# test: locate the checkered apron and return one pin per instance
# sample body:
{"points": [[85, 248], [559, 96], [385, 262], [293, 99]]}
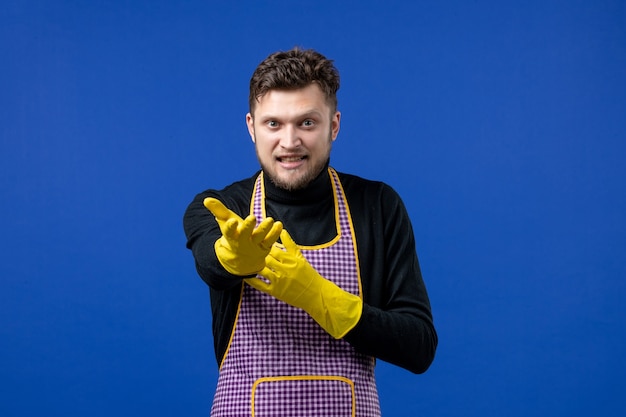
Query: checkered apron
{"points": [[280, 362]]}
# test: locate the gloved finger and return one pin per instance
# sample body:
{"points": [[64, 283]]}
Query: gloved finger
{"points": [[219, 210], [272, 236], [280, 260], [247, 227], [288, 242], [261, 230], [277, 250], [229, 229], [273, 259]]}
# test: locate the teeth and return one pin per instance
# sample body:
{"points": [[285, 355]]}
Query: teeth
{"points": [[292, 159]]}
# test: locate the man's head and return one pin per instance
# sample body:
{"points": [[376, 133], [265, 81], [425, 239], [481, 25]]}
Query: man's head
{"points": [[293, 116], [292, 70]]}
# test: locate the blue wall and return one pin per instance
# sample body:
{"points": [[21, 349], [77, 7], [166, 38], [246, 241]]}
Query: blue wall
{"points": [[502, 125]]}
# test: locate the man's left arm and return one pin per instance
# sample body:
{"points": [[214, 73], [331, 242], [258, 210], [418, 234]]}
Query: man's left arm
{"points": [[396, 323]]}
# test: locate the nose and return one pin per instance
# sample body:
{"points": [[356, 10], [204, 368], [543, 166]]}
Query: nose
{"points": [[290, 138]]}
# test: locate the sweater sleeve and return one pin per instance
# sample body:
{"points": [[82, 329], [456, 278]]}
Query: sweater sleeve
{"points": [[202, 231], [396, 325]]}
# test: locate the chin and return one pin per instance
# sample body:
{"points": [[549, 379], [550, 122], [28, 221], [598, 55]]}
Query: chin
{"points": [[290, 184], [293, 182]]}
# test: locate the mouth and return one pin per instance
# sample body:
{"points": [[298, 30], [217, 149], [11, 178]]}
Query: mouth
{"points": [[291, 159], [291, 162]]}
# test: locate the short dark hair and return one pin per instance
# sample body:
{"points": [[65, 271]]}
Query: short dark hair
{"points": [[294, 69]]}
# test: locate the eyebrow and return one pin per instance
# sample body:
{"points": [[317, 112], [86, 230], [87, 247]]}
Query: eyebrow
{"points": [[303, 115]]}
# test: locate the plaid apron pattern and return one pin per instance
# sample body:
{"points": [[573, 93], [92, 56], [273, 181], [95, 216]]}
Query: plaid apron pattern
{"points": [[280, 362]]}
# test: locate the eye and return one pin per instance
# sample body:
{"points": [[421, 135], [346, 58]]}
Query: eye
{"points": [[272, 123], [308, 123]]}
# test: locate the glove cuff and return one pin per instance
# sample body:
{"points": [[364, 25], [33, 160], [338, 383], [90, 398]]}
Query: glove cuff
{"points": [[337, 311]]}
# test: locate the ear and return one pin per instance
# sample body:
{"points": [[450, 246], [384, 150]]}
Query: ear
{"points": [[250, 123], [335, 122]]}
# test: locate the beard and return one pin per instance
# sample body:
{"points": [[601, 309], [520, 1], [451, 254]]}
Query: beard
{"points": [[297, 179]]}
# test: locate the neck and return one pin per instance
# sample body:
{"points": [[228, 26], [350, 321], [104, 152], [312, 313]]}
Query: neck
{"points": [[314, 191]]}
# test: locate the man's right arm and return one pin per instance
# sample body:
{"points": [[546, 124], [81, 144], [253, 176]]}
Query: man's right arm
{"points": [[202, 231]]}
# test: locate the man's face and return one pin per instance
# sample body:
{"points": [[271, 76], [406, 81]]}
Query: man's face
{"points": [[293, 131]]}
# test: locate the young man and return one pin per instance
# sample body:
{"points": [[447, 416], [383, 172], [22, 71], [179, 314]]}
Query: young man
{"points": [[313, 273]]}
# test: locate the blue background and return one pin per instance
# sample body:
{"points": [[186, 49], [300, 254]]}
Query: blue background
{"points": [[501, 124]]}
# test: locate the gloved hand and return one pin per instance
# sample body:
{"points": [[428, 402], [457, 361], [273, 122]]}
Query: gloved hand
{"points": [[293, 280], [242, 248]]}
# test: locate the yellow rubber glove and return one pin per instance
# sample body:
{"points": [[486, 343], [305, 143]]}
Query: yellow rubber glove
{"points": [[242, 248], [293, 279]]}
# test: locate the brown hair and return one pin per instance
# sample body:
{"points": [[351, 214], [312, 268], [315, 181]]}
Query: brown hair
{"points": [[292, 70]]}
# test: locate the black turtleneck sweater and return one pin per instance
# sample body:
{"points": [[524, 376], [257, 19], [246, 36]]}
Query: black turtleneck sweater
{"points": [[396, 325]]}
